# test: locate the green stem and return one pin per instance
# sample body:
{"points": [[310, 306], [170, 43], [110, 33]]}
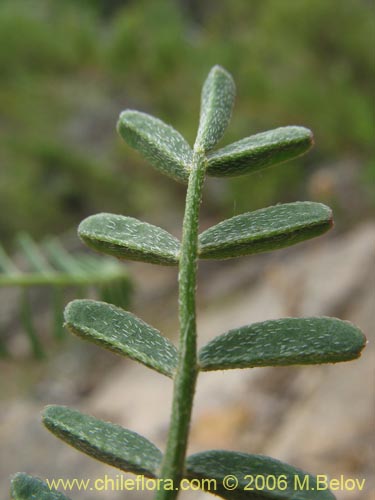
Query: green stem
{"points": [[35, 343], [186, 374], [57, 298]]}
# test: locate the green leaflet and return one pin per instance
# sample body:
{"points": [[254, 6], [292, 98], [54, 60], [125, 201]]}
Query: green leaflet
{"points": [[25, 487], [34, 256], [166, 149], [217, 100], [260, 151], [103, 441], [121, 332], [129, 238], [289, 341], [264, 230], [217, 464]]}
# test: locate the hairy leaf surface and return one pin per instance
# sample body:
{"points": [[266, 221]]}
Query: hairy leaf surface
{"points": [[288, 341], [217, 464], [129, 238], [103, 441], [160, 143], [264, 230], [217, 100], [259, 151], [25, 487], [121, 332]]}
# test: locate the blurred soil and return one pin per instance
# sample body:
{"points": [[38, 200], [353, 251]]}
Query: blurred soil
{"points": [[318, 418]]}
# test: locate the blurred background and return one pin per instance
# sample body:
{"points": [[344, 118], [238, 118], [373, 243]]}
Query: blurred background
{"points": [[67, 69]]}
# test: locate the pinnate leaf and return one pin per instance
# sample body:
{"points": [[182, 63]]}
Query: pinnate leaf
{"points": [[129, 238], [217, 100], [259, 151], [103, 441], [160, 143], [121, 332], [288, 341], [217, 464], [264, 230], [25, 487]]}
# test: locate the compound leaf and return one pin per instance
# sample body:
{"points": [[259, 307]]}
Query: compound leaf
{"points": [[161, 144], [25, 487], [121, 332], [281, 481], [49, 264], [217, 100], [259, 151], [264, 230], [129, 238], [103, 441], [288, 341]]}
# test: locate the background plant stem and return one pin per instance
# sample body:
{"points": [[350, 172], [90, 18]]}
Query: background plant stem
{"points": [[186, 374]]}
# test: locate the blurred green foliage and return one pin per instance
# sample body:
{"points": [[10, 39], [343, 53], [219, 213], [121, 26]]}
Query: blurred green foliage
{"points": [[50, 266], [67, 69]]}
